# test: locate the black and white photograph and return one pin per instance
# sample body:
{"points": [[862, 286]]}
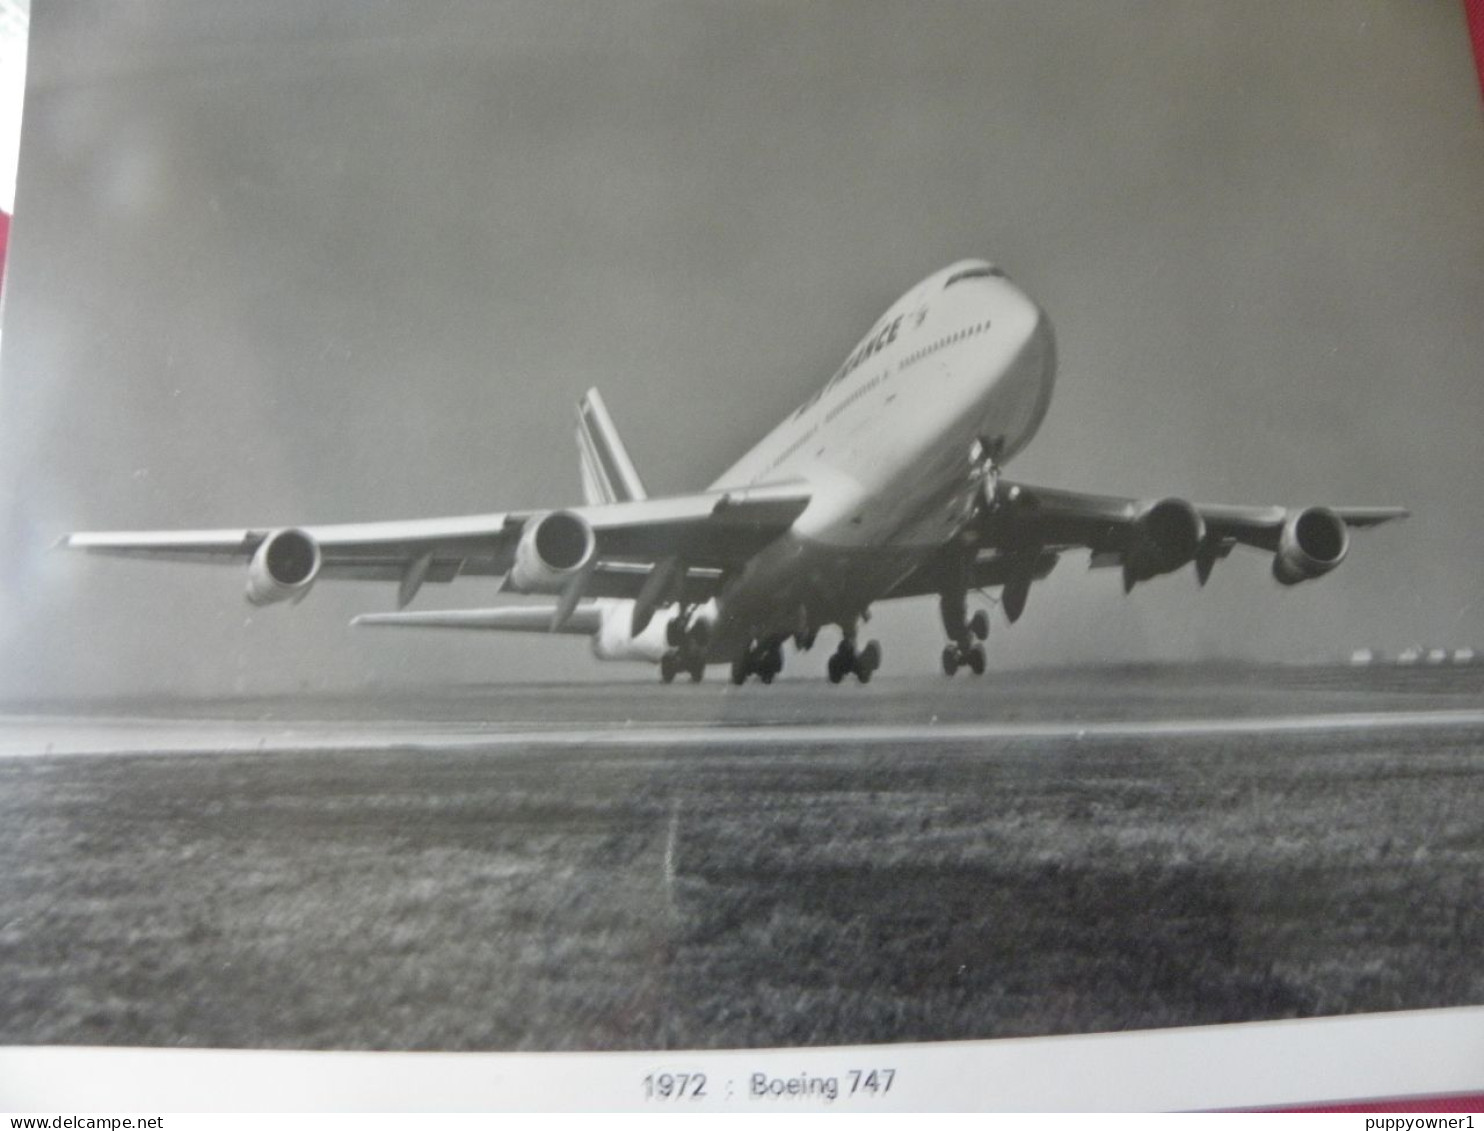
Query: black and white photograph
{"points": [[739, 524]]}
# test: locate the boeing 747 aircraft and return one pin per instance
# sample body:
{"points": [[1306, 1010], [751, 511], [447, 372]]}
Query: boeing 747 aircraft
{"points": [[886, 483]]}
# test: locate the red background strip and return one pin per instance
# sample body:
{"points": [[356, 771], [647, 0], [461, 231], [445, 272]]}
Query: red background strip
{"points": [[1474, 10]]}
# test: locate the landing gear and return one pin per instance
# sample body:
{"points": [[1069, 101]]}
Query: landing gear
{"points": [[675, 661], [961, 651], [762, 660], [681, 633], [687, 651], [956, 656], [847, 660]]}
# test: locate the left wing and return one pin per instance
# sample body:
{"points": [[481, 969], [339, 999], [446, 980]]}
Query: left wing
{"points": [[672, 544], [1018, 536], [1148, 537]]}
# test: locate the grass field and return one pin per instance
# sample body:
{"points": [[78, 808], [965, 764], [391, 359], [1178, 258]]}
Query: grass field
{"points": [[599, 898]]}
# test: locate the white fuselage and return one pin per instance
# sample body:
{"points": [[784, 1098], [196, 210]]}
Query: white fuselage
{"points": [[892, 448]]}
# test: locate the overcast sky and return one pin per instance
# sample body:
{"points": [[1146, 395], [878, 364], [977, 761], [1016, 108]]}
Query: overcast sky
{"points": [[284, 262]]}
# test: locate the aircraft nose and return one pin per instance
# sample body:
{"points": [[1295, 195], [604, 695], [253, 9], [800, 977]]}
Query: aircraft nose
{"points": [[1014, 390], [1041, 344], [1037, 349]]}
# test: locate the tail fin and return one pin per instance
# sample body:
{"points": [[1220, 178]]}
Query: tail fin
{"points": [[608, 475]]}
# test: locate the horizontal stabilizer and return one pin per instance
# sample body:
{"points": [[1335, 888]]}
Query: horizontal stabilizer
{"points": [[586, 619]]}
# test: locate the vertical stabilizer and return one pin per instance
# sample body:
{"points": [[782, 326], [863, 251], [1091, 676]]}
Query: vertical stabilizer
{"points": [[608, 475]]}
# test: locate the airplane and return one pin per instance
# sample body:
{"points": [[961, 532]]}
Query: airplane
{"points": [[888, 482]]}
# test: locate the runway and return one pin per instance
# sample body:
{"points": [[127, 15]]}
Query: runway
{"points": [[40, 736], [631, 866]]}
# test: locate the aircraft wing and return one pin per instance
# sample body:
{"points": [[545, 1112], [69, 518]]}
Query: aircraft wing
{"points": [[1149, 537], [1018, 537], [705, 532]]}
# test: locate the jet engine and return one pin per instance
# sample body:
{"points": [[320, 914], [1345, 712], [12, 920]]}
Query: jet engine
{"points": [[553, 549], [1313, 542], [284, 567], [1165, 537]]}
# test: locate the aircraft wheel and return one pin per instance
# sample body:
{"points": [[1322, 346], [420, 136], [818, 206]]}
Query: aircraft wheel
{"points": [[699, 635], [773, 659], [766, 675], [675, 631], [697, 671], [836, 668], [869, 658], [667, 667], [979, 624], [975, 659], [739, 670], [950, 660]]}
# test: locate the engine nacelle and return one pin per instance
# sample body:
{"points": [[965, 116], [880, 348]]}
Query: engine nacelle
{"points": [[1165, 537], [553, 549], [1313, 542], [284, 567]]}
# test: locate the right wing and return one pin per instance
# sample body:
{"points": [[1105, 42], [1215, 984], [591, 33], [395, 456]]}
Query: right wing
{"points": [[614, 549]]}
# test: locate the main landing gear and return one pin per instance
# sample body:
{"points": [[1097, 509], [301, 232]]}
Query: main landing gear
{"points": [[762, 660], [957, 655], [687, 649], [962, 649], [765, 660], [847, 660], [675, 661]]}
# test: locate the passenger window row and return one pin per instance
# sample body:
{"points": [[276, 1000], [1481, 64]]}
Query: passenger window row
{"points": [[952, 339]]}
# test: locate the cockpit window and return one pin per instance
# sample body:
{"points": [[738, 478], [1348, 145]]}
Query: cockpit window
{"points": [[974, 273]]}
